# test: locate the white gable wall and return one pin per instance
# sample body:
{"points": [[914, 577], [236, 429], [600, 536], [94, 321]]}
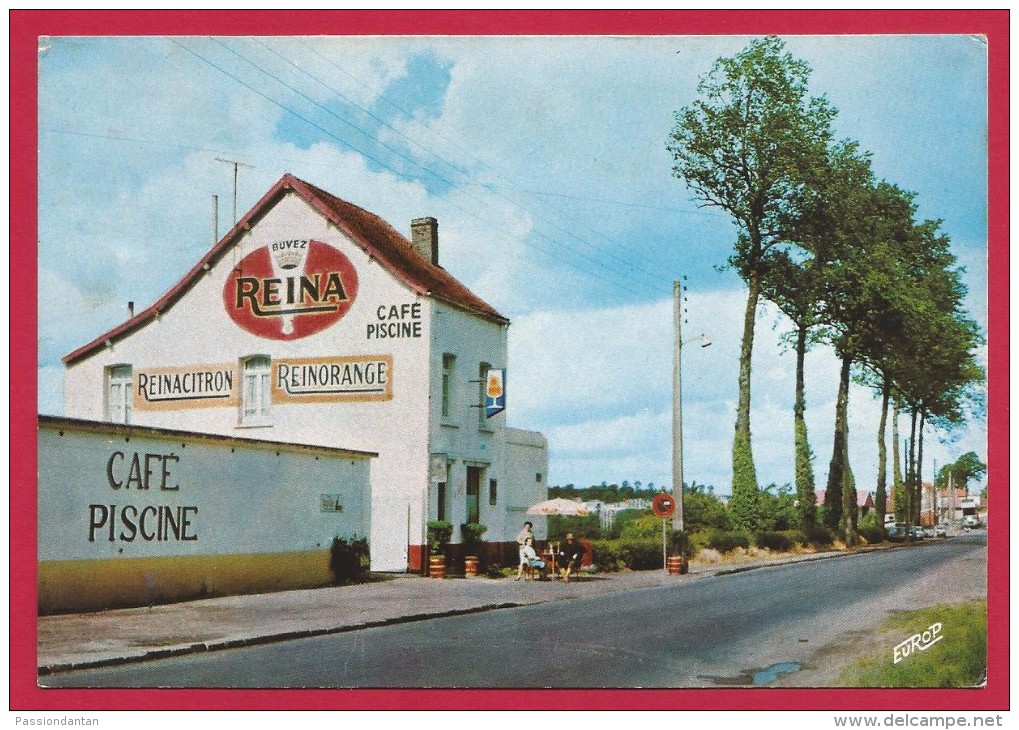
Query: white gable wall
{"points": [[197, 331], [405, 430]]}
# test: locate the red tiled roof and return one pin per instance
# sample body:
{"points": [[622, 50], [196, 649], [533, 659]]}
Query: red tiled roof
{"points": [[863, 497], [376, 237]]}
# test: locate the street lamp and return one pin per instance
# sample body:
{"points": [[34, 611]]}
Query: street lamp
{"points": [[677, 402]]}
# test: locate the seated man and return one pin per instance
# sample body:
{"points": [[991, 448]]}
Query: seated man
{"points": [[571, 553]]}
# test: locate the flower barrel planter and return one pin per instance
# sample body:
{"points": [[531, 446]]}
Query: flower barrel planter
{"points": [[677, 565], [437, 566], [471, 566]]}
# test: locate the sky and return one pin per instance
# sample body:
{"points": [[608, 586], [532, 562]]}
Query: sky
{"points": [[544, 160]]}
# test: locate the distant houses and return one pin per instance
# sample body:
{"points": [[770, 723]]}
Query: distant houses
{"points": [[607, 511], [864, 501]]}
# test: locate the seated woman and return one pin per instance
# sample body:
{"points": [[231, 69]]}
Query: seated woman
{"points": [[529, 559]]}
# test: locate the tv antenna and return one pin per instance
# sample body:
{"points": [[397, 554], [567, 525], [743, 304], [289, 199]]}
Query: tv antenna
{"points": [[236, 165]]}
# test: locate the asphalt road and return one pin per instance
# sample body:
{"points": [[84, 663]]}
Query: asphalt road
{"points": [[742, 629]]}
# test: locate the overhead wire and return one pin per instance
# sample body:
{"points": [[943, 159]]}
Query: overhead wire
{"points": [[555, 243], [382, 97], [440, 177]]}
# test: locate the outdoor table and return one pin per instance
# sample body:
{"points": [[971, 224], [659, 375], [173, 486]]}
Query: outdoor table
{"points": [[549, 556]]}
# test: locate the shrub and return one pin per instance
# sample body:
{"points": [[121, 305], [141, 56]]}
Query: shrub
{"points": [[703, 510], [819, 535], [642, 553], [471, 533], [873, 533], [870, 519], [798, 537], [681, 544], [643, 527], [349, 561], [725, 540], [607, 555], [699, 541], [439, 532], [774, 540], [582, 526], [622, 520]]}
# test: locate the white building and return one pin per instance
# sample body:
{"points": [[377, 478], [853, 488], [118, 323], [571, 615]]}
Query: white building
{"points": [[132, 515], [314, 322]]}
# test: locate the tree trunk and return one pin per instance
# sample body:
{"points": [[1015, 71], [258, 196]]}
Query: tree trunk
{"points": [[911, 471], [849, 507], [744, 502], [833, 497], [919, 467], [848, 484], [804, 457], [881, 498], [898, 497]]}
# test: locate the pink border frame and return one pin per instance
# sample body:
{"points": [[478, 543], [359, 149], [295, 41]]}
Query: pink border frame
{"points": [[27, 26]]}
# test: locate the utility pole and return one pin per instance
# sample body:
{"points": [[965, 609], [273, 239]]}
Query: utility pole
{"points": [[678, 522], [236, 164], [677, 407], [951, 491]]}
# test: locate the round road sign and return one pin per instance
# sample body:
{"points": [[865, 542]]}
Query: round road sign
{"points": [[663, 505]]}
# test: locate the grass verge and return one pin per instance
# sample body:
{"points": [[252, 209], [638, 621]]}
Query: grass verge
{"points": [[959, 659]]}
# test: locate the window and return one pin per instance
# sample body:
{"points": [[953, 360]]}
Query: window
{"points": [[537, 477], [448, 361], [118, 394], [483, 369], [255, 391], [492, 491]]}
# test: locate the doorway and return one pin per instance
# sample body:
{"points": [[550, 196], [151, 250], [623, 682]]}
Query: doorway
{"points": [[474, 478]]}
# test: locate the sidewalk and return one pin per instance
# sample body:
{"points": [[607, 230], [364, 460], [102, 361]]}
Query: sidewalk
{"points": [[78, 641]]}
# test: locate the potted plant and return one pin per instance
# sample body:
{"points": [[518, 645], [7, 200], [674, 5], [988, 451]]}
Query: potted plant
{"points": [[471, 533], [439, 532], [678, 562]]}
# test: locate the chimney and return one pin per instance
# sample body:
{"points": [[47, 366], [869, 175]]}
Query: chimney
{"points": [[424, 238]]}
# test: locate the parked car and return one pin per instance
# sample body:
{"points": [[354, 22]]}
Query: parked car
{"points": [[970, 522], [897, 532], [928, 532], [916, 532], [940, 531]]}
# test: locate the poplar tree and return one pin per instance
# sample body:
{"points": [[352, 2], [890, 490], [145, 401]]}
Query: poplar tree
{"points": [[745, 146]]}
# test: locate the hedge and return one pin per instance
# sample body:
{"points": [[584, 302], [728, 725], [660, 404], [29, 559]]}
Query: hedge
{"points": [[873, 533], [780, 541], [632, 554], [819, 535], [725, 540], [348, 561]]}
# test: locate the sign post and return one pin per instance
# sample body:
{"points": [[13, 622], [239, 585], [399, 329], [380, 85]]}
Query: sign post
{"points": [[664, 506]]}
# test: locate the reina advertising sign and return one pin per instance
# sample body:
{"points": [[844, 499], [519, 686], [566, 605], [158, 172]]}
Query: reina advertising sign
{"points": [[331, 379], [290, 289], [495, 392], [197, 386]]}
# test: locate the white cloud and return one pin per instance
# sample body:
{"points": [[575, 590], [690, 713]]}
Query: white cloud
{"points": [[598, 383]]}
